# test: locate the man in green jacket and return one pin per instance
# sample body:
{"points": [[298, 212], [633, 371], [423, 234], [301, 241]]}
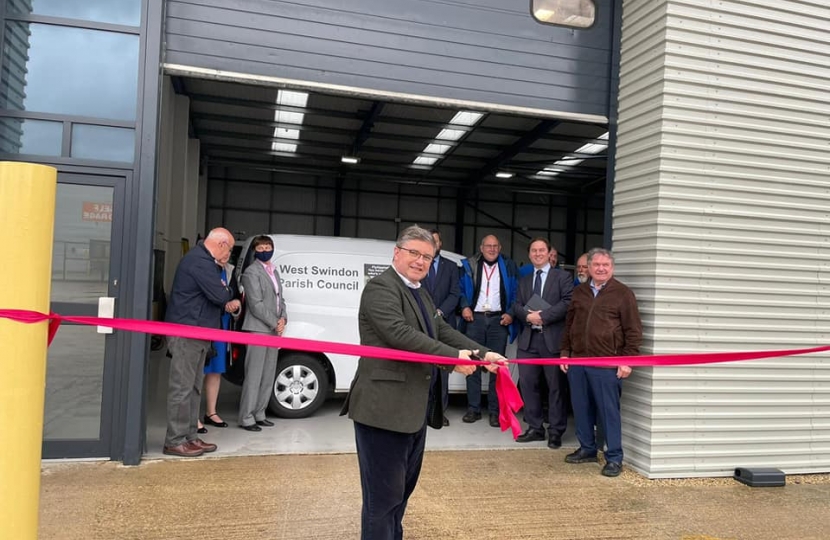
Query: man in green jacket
{"points": [[389, 400]]}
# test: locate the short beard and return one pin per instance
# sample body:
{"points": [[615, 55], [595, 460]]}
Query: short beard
{"points": [[581, 278]]}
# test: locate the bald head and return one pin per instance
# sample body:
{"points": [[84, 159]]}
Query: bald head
{"points": [[219, 243]]}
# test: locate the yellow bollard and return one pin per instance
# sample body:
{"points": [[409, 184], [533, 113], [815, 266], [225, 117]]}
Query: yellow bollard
{"points": [[27, 218]]}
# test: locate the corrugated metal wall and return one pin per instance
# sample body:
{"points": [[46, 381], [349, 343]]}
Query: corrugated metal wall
{"points": [[490, 51], [722, 226]]}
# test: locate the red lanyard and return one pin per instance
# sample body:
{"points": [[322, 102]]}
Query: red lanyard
{"points": [[488, 275]]}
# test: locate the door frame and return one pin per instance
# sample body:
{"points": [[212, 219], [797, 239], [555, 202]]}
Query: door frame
{"points": [[111, 407]]}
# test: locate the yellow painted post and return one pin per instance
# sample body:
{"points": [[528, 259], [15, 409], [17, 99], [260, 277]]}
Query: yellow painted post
{"points": [[27, 218]]}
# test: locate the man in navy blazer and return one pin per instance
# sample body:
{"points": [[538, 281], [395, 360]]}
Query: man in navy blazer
{"points": [[442, 284], [543, 322]]}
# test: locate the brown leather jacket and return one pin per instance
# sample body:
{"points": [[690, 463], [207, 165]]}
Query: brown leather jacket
{"points": [[608, 325]]}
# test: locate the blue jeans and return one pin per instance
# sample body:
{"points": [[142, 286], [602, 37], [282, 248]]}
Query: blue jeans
{"points": [[390, 463], [486, 331], [595, 396]]}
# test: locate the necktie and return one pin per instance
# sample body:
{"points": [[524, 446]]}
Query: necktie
{"points": [[537, 283], [423, 309], [269, 269], [431, 279]]}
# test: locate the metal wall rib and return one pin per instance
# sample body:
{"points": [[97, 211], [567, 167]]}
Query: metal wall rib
{"points": [[722, 226]]}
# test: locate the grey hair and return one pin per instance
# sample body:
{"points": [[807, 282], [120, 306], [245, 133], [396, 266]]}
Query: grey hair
{"points": [[593, 252], [414, 232]]}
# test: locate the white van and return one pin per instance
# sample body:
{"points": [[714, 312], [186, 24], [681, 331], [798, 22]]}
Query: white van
{"points": [[322, 279]]}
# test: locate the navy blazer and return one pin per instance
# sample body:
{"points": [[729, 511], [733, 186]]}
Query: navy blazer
{"points": [[445, 291], [557, 292]]}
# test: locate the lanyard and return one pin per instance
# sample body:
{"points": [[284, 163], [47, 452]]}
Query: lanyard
{"points": [[489, 275]]}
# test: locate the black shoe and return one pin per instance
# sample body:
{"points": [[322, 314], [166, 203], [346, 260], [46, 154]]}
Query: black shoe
{"points": [[471, 417], [252, 427], [580, 456], [612, 469], [208, 420], [555, 442], [266, 423], [202, 430], [494, 420], [446, 421], [531, 435]]}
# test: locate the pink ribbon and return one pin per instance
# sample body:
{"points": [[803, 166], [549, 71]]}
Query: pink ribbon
{"points": [[510, 401]]}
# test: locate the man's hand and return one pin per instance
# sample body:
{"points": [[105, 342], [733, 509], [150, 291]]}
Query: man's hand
{"points": [[623, 372], [281, 326], [467, 314], [496, 361], [563, 367], [465, 354], [506, 320], [535, 317], [233, 306]]}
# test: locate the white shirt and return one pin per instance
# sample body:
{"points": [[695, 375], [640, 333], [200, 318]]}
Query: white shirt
{"points": [[410, 284], [489, 298], [545, 271]]}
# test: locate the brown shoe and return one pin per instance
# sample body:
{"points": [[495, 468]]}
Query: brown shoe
{"points": [[206, 447], [186, 449]]}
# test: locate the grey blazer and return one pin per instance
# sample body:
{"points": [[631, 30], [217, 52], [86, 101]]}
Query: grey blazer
{"points": [[261, 300], [390, 394]]}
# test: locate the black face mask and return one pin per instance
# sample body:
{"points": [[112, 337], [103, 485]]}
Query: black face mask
{"points": [[263, 256]]}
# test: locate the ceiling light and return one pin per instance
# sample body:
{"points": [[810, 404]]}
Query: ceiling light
{"points": [[504, 174], [283, 147], [450, 134], [351, 160], [436, 148], [291, 98], [466, 118], [424, 160]]}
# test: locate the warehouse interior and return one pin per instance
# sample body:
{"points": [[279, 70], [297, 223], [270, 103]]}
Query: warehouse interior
{"points": [[261, 159]]}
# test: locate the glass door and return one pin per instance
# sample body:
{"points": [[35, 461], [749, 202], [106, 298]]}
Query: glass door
{"points": [[85, 281]]}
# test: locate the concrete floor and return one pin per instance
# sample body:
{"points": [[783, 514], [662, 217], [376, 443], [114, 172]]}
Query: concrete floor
{"points": [[471, 494], [324, 432]]}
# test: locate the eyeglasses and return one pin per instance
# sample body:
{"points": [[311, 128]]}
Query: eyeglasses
{"points": [[417, 254], [490, 246]]}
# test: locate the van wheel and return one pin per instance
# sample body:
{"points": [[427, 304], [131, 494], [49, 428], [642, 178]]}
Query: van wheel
{"points": [[300, 387]]}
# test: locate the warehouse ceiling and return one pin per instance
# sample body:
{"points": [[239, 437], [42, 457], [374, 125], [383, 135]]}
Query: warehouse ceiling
{"points": [[267, 128]]}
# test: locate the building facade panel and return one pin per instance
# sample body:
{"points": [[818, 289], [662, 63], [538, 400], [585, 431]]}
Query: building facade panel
{"points": [[721, 196], [456, 50]]}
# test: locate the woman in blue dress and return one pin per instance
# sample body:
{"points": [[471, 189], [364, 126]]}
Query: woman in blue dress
{"points": [[215, 367]]}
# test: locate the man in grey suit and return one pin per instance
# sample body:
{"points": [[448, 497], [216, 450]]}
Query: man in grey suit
{"points": [[389, 400], [265, 315], [541, 305]]}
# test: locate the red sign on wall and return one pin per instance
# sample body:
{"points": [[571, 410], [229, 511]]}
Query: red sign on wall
{"points": [[93, 211]]}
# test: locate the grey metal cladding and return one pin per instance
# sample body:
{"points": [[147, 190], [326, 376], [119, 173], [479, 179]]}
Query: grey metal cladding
{"points": [[491, 51]]}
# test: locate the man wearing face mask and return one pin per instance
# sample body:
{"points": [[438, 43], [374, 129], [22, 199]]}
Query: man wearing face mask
{"points": [[265, 315]]}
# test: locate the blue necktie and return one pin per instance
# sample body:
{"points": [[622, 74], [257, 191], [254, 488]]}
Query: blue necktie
{"points": [[431, 279], [537, 283]]}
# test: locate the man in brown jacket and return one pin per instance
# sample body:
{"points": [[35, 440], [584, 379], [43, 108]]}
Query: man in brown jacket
{"points": [[602, 320]]}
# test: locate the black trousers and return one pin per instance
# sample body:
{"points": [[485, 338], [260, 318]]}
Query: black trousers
{"points": [[390, 463], [529, 378]]}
